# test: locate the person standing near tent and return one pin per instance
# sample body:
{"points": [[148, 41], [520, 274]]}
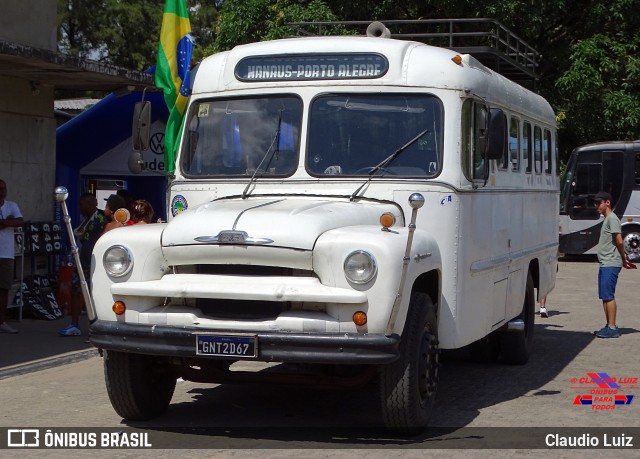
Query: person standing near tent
{"points": [[114, 203], [87, 234], [142, 212], [10, 218]]}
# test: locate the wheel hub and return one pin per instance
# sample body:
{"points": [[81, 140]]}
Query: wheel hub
{"points": [[632, 245], [429, 365]]}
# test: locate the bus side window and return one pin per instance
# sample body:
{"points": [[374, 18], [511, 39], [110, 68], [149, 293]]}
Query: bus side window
{"points": [[537, 148], [612, 175], [479, 140], [527, 146], [546, 151], [474, 139], [503, 164], [586, 184], [587, 180], [465, 150], [514, 144], [637, 170], [556, 155]]}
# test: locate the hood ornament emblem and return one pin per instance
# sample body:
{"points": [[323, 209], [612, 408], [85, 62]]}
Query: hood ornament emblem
{"points": [[234, 237]]}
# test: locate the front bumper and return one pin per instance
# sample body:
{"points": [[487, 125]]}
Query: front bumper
{"points": [[337, 348]]}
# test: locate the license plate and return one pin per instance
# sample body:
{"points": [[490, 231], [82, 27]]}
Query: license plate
{"points": [[227, 346]]}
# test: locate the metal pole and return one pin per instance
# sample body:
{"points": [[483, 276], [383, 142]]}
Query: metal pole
{"points": [[61, 194], [416, 201]]}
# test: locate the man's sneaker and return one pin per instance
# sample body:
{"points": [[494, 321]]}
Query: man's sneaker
{"points": [[609, 332], [602, 330], [70, 330], [543, 313], [6, 328]]}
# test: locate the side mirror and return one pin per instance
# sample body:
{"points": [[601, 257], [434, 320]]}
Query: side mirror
{"points": [[136, 163], [497, 135], [140, 131]]}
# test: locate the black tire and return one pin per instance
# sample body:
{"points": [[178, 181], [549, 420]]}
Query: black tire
{"points": [[139, 387], [516, 346], [485, 350], [408, 385]]}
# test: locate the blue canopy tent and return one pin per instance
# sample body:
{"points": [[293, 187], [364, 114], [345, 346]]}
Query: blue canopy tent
{"points": [[95, 145]]}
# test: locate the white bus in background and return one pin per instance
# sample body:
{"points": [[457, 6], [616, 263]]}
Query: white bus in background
{"points": [[349, 204], [606, 166]]}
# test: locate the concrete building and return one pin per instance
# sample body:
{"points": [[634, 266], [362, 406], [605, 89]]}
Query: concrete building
{"points": [[30, 70]]}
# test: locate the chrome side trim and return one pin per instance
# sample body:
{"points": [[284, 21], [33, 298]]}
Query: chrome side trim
{"points": [[484, 265]]}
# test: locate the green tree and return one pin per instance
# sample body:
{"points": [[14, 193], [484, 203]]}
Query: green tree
{"points": [[245, 21], [589, 55], [598, 95], [125, 33], [588, 67]]}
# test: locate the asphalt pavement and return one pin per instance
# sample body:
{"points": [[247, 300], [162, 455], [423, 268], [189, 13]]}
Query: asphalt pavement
{"points": [[38, 346]]}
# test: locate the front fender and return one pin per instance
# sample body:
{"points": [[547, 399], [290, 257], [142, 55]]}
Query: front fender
{"points": [[388, 249], [143, 242]]}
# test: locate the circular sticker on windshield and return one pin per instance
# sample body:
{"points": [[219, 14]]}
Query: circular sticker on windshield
{"points": [[178, 204]]}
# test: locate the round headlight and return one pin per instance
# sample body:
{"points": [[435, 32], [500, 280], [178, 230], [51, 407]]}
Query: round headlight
{"points": [[360, 267], [117, 261]]}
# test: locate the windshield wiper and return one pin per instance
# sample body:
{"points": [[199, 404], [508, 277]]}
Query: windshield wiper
{"points": [[385, 162], [274, 152]]}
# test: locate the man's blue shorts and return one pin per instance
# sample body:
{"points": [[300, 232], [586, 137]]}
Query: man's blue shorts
{"points": [[607, 280]]}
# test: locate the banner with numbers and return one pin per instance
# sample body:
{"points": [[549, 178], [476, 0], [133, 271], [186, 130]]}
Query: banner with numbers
{"points": [[40, 238]]}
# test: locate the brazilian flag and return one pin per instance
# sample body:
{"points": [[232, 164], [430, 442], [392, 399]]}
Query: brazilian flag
{"points": [[172, 72]]}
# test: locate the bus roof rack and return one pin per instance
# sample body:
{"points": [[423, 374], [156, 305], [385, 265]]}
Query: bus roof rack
{"points": [[490, 42]]}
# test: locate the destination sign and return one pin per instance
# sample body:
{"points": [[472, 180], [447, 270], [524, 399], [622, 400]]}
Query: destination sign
{"points": [[312, 67]]}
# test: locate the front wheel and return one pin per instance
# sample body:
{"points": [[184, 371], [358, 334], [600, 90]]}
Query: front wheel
{"points": [[408, 385], [140, 387]]}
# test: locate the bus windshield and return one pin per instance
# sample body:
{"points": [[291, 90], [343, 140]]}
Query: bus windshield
{"points": [[233, 137], [349, 134], [566, 185]]}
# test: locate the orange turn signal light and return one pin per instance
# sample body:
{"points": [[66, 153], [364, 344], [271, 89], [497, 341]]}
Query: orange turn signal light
{"points": [[359, 318], [457, 59], [387, 220], [119, 308]]}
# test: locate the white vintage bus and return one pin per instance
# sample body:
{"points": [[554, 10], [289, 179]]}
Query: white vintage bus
{"points": [[349, 204], [605, 166]]}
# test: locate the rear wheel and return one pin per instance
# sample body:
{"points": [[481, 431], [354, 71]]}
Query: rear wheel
{"points": [[408, 385], [485, 350], [516, 345], [140, 387]]}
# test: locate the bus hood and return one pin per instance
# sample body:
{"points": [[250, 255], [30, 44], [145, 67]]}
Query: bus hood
{"points": [[272, 222]]}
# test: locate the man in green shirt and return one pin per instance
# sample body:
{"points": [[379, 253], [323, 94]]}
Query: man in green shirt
{"points": [[612, 258]]}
